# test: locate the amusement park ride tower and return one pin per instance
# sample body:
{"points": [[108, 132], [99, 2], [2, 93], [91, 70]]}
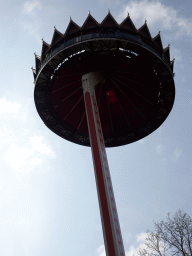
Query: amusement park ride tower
{"points": [[104, 85]]}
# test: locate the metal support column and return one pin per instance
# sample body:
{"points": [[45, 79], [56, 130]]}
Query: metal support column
{"points": [[110, 222]]}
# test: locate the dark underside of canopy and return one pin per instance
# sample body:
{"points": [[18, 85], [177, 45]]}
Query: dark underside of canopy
{"points": [[127, 97]]}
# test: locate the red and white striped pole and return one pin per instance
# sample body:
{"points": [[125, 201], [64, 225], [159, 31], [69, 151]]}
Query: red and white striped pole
{"points": [[110, 222]]}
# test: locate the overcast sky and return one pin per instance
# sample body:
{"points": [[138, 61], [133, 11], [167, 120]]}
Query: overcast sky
{"points": [[48, 200]]}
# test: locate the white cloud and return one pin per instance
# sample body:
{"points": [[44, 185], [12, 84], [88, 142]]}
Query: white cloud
{"points": [[23, 213], [17, 156], [31, 6], [21, 158], [101, 251], [35, 161], [176, 154], [134, 250], [142, 246], [141, 237], [38, 145], [158, 15], [20, 150], [8, 107]]}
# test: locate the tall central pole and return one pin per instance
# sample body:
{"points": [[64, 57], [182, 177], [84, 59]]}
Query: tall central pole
{"points": [[110, 222]]}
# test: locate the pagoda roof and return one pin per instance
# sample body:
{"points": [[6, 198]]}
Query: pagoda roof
{"points": [[157, 41], [34, 72], [128, 24], [144, 31], [57, 35], [167, 52], [45, 48], [37, 62], [172, 64], [71, 28], [109, 21], [90, 22]]}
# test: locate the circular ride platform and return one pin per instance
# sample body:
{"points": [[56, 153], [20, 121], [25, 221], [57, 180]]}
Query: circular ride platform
{"points": [[137, 91]]}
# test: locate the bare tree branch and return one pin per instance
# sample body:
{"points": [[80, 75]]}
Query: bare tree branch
{"points": [[172, 237]]}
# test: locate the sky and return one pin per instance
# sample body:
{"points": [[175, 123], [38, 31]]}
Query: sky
{"points": [[48, 199]]}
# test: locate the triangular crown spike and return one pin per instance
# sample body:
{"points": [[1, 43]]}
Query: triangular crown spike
{"points": [[130, 23], [109, 16], [37, 56], [73, 24], [89, 17], [144, 31]]}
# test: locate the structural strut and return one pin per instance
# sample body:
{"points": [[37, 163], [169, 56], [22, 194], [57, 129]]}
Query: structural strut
{"points": [[110, 223]]}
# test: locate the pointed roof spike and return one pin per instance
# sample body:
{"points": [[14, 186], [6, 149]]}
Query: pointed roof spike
{"points": [[37, 56], [128, 24], [45, 49], [37, 62], [157, 41], [89, 12], [57, 35], [61, 34], [108, 10], [33, 70], [90, 22], [43, 42], [127, 14], [71, 28], [166, 49], [172, 64], [144, 31], [109, 21], [167, 53]]}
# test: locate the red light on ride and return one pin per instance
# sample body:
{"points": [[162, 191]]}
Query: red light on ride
{"points": [[112, 97]]}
